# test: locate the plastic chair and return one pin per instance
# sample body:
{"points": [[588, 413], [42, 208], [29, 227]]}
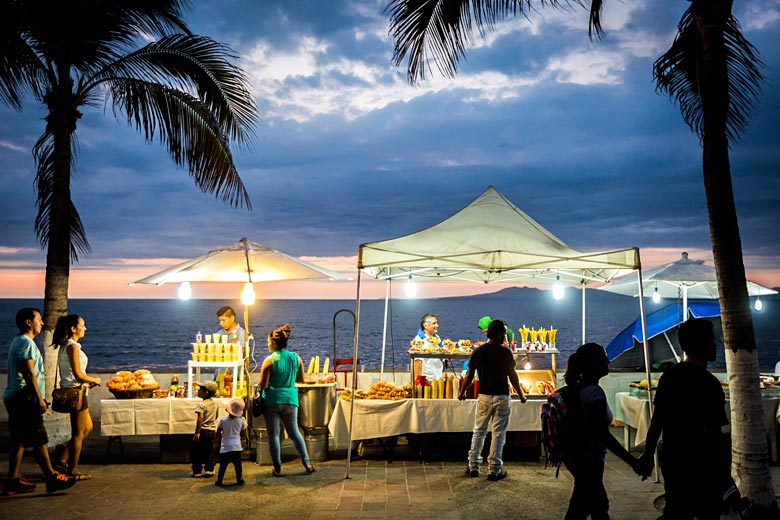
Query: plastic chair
{"points": [[344, 362]]}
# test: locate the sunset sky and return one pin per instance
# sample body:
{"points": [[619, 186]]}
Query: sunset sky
{"points": [[571, 131]]}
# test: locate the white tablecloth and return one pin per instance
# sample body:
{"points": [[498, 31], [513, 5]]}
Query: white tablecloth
{"points": [[635, 412], [149, 416], [378, 418]]}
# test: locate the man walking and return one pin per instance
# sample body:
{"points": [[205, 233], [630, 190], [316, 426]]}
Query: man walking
{"points": [[495, 364], [23, 398]]}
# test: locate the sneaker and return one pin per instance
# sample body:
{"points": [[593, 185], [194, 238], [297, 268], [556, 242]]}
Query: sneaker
{"points": [[208, 473], [17, 486], [59, 482], [218, 483], [497, 476], [240, 482], [473, 473], [196, 475]]}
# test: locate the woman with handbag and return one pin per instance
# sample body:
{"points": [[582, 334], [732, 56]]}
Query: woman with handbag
{"points": [[278, 375], [72, 366]]}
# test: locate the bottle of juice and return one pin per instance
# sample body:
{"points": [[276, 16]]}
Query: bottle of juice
{"points": [[174, 385], [228, 381]]}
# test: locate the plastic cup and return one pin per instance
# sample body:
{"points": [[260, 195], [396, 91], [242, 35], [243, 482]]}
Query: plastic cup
{"points": [[207, 338], [195, 346], [211, 357], [219, 357], [195, 356], [211, 347], [224, 338]]}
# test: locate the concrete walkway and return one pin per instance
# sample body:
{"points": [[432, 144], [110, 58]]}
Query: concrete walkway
{"points": [[136, 486]]}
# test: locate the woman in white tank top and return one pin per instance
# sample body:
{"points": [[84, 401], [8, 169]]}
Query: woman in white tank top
{"points": [[72, 365]]}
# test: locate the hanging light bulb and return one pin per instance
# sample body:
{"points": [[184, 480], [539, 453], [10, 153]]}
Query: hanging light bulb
{"points": [[248, 294], [557, 288], [758, 305], [185, 291], [527, 364], [410, 289], [656, 296]]}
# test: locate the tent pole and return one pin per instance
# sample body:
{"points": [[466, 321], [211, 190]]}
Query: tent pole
{"points": [[647, 354], [384, 333], [583, 312], [354, 373], [685, 303]]}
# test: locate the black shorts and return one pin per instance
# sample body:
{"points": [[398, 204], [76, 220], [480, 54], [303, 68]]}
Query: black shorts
{"points": [[25, 420]]}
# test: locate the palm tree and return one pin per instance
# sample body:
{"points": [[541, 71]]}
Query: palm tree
{"points": [[180, 90], [711, 72]]}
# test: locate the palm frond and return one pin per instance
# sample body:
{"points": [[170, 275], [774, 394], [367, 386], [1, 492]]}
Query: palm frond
{"points": [[190, 131], [677, 72], [439, 31], [43, 151], [194, 64]]}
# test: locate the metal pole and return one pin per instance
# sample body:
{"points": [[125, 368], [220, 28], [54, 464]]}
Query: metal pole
{"points": [[354, 373], [685, 302], [583, 312], [647, 356], [384, 332]]}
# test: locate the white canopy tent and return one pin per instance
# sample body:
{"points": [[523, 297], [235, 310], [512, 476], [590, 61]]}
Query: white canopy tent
{"points": [[490, 241]]}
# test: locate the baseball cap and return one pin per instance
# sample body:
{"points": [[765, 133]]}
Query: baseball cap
{"points": [[484, 321], [209, 386]]}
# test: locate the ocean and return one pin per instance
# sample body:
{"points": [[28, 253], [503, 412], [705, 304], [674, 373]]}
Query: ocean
{"points": [[127, 334]]}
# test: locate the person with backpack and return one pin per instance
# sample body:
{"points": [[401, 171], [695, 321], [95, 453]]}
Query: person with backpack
{"points": [[495, 364], [589, 415]]}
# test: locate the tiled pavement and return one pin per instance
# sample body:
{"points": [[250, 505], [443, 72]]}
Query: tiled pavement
{"points": [[136, 486]]}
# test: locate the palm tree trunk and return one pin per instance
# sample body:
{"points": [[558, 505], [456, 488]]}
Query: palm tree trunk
{"points": [[750, 462], [61, 122]]}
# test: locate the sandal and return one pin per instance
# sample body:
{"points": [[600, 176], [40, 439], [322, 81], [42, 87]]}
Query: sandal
{"points": [[309, 468], [276, 472], [60, 467], [79, 476]]}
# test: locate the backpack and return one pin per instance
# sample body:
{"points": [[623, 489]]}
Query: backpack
{"points": [[559, 439]]}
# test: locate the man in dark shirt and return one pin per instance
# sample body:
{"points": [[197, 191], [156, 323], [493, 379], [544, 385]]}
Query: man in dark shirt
{"points": [[495, 364], [690, 412]]}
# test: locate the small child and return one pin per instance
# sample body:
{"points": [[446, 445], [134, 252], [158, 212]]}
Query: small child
{"points": [[231, 431], [201, 452]]}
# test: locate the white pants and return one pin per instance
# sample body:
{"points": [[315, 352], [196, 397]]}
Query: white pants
{"points": [[493, 411]]}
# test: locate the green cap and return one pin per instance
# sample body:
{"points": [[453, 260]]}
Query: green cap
{"points": [[510, 335], [484, 321]]}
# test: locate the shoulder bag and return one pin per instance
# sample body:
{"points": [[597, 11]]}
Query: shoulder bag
{"points": [[258, 403], [66, 400]]}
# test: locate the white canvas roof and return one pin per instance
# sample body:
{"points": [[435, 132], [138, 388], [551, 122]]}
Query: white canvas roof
{"points": [[491, 240]]}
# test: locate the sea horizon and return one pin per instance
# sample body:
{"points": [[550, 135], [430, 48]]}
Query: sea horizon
{"points": [[156, 333]]}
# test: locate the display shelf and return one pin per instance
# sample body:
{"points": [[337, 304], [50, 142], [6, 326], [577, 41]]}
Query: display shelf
{"points": [[193, 369]]}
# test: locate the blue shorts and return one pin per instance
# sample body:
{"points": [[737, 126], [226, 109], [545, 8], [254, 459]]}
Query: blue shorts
{"points": [[25, 420]]}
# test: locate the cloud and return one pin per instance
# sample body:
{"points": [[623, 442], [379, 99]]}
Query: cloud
{"points": [[13, 146]]}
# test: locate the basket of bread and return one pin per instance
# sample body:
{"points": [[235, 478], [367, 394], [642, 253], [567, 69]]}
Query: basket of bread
{"points": [[133, 385]]}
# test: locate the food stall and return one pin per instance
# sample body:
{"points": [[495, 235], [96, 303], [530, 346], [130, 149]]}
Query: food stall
{"points": [[489, 241]]}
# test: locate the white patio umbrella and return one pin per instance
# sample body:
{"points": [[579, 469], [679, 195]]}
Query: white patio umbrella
{"points": [[685, 279], [244, 262]]}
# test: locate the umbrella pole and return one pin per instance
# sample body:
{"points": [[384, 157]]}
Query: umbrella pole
{"points": [[647, 358], [685, 303], [583, 312], [354, 373]]}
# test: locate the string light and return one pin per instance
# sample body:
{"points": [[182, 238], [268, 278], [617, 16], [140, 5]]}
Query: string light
{"points": [[185, 291]]}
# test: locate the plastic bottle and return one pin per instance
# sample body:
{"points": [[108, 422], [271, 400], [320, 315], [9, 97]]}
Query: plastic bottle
{"points": [[174, 385], [228, 380], [199, 337], [184, 389]]}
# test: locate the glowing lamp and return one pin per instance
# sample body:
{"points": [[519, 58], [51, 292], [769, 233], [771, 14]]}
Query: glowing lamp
{"points": [[410, 289], [248, 294], [558, 288], [656, 296], [185, 291], [758, 305]]}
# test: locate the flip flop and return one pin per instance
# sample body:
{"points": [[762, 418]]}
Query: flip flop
{"points": [[80, 476]]}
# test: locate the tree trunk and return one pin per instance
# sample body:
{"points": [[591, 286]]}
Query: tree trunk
{"points": [[750, 461], [61, 122]]}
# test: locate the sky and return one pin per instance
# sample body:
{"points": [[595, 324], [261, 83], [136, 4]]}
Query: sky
{"points": [[347, 152]]}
